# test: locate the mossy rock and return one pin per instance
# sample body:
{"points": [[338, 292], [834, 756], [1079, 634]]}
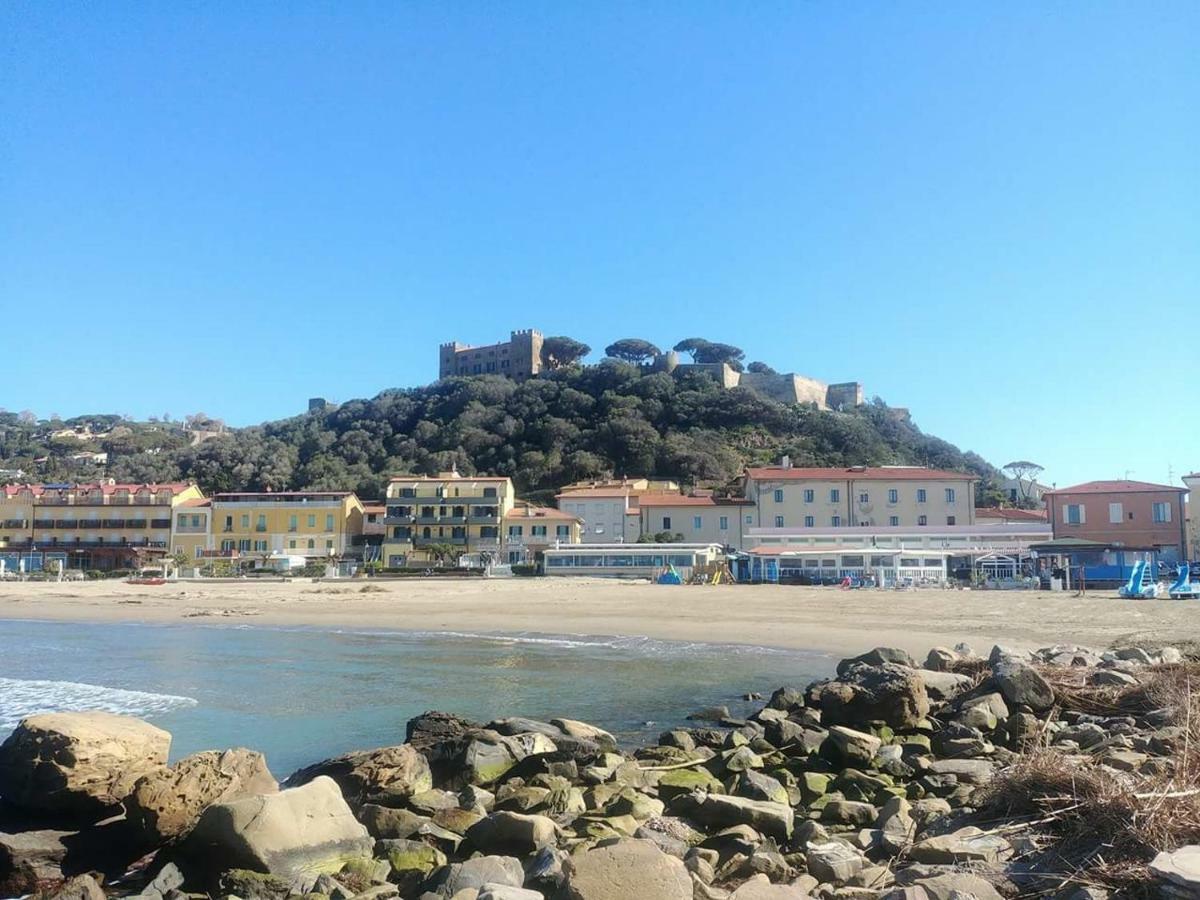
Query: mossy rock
{"points": [[684, 781], [251, 885]]}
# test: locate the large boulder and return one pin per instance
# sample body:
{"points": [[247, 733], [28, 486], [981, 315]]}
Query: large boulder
{"points": [[625, 870], [30, 859], [877, 657], [478, 871], [386, 776], [772, 819], [510, 832], [78, 764], [1022, 685], [304, 830], [889, 693], [167, 802]]}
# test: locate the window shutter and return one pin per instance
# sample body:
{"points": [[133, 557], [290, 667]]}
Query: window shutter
{"points": [[1082, 514]]}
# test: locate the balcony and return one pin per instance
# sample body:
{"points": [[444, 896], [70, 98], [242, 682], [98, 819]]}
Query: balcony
{"points": [[161, 523], [430, 541]]}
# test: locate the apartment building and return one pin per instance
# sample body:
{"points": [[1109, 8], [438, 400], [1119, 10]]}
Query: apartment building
{"points": [[463, 512], [530, 530], [283, 529], [787, 496], [519, 358], [104, 525], [1133, 514], [702, 519], [609, 509]]}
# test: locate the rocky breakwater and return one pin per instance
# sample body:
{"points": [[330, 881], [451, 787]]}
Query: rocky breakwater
{"points": [[1064, 772]]}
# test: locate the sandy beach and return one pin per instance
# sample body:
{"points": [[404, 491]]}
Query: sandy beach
{"points": [[824, 619]]}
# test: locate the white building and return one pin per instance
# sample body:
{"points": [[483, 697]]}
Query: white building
{"points": [[923, 553]]}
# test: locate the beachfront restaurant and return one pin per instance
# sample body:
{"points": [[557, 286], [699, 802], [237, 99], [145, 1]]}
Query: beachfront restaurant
{"points": [[1094, 562], [630, 560], [833, 565]]}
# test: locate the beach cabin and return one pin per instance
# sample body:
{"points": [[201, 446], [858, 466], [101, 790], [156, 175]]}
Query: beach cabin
{"points": [[630, 560], [882, 568]]}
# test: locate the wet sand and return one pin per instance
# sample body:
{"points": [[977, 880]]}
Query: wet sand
{"points": [[823, 619]]}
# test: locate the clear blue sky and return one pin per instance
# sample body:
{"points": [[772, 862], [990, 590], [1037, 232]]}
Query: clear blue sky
{"points": [[989, 213]]}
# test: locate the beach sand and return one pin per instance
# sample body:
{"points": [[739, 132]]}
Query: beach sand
{"points": [[823, 619]]}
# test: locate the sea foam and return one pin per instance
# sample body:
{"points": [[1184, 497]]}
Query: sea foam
{"points": [[20, 698]]}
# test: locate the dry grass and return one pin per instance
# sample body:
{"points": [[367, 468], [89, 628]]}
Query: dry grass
{"points": [[1104, 826]]}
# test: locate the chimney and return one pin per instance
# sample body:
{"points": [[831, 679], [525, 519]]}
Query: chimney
{"points": [[785, 462]]}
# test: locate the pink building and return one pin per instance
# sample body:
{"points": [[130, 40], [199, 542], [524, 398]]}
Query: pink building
{"points": [[1133, 514]]}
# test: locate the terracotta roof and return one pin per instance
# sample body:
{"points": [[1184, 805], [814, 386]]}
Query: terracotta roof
{"points": [[195, 501], [680, 500], [374, 507], [38, 490], [446, 478], [1011, 515], [1116, 486], [271, 495], [856, 473], [603, 492], [539, 512]]}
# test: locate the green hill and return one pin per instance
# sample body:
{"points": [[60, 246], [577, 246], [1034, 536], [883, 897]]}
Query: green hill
{"points": [[565, 426]]}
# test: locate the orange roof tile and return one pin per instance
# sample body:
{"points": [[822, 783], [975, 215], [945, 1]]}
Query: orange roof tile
{"points": [[1116, 486], [868, 473]]}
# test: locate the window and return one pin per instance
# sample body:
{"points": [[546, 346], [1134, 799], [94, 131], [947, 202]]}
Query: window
{"points": [[949, 520], [808, 522], [836, 521], [749, 520], [515, 530], [260, 546], [922, 520], [809, 495], [893, 496], [246, 520], [1161, 513], [489, 492], [311, 544], [864, 497], [261, 524], [894, 521], [329, 543], [1073, 514], [329, 521], [182, 521], [292, 544], [312, 520], [226, 546], [408, 492], [835, 496], [666, 523], [244, 545], [538, 530], [293, 523], [724, 523], [779, 521], [562, 531], [921, 495], [1116, 514], [229, 523], [949, 495], [779, 495], [697, 523]]}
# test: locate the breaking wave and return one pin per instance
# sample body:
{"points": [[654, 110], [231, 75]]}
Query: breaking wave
{"points": [[20, 698]]}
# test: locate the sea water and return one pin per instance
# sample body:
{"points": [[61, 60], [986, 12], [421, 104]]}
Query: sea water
{"points": [[300, 695]]}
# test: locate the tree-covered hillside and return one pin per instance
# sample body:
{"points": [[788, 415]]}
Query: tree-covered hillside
{"points": [[568, 425]]}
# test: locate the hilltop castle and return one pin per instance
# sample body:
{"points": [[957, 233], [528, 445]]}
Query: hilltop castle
{"points": [[520, 358]]}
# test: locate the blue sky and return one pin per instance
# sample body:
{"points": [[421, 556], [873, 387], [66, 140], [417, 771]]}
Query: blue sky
{"points": [[989, 213]]}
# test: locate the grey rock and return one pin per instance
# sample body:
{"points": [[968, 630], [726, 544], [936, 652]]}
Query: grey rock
{"points": [[1022, 685], [625, 870]]}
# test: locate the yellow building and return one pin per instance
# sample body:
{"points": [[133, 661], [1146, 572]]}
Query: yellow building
{"points": [[282, 530], [102, 526], [530, 530], [428, 513], [191, 532]]}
